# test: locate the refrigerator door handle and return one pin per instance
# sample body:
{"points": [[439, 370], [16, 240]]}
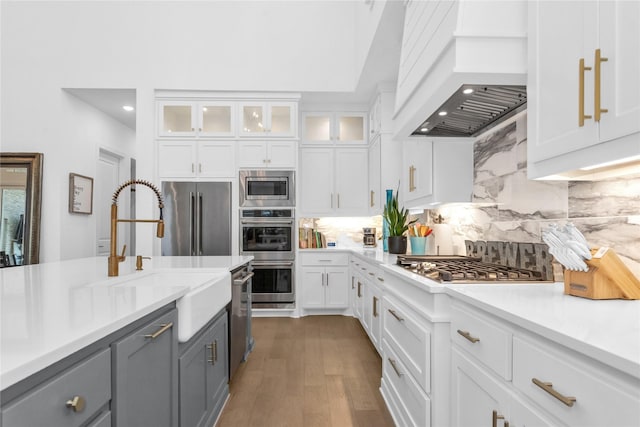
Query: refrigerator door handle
{"points": [[199, 224], [191, 222]]}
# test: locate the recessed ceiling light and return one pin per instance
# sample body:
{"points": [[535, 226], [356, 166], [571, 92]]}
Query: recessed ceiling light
{"points": [[127, 108], [204, 109], [467, 91], [424, 129], [442, 113]]}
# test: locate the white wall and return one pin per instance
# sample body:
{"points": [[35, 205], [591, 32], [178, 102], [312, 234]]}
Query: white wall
{"points": [[215, 45]]}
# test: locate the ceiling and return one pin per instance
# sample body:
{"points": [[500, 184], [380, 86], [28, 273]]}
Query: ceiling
{"points": [[110, 102], [380, 67]]}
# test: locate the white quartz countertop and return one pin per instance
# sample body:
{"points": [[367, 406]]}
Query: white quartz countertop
{"points": [[49, 311]]}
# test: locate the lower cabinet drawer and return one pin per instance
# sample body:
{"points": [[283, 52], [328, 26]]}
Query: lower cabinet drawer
{"points": [[480, 336], [88, 383], [410, 340], [323, 258], [553, 380], [410, 399]]}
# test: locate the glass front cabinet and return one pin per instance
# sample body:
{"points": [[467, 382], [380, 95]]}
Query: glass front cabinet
{"points": [[204, 119], [267, 119], [339, 128]]}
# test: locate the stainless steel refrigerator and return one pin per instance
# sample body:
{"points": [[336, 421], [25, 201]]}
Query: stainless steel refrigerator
{"points": [[197, 218]]}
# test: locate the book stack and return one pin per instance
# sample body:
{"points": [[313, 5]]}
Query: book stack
{"points": [[310, 238]]}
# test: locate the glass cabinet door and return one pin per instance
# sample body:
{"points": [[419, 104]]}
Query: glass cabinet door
{"points": [[280, 119], [176, 119], [217, 119], [253, 119], [351, 128], [317, 128]]}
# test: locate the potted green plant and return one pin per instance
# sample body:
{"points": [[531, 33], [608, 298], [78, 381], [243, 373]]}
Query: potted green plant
{"points": [[398, 219]]}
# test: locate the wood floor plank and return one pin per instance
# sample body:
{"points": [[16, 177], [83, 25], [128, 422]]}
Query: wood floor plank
{"points": [[313, 371]]}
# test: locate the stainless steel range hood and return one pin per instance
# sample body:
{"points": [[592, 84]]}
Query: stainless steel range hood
{"points": [[450, 46], [472, 109]]}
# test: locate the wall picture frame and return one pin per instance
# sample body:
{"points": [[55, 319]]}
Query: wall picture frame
{"points": [[80, 194]]}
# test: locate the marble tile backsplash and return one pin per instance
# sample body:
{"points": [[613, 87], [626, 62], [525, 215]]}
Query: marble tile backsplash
{"points": [[512, 208]]}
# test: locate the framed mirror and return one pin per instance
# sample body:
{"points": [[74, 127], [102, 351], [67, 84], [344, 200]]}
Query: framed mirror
{"points": [[20, 201]]}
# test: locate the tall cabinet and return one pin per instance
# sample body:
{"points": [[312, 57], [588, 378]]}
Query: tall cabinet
{"points": [[583, 85], [333, 166]]}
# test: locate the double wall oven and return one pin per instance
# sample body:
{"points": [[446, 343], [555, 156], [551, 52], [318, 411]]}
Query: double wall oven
{"points": [[267, 232]]}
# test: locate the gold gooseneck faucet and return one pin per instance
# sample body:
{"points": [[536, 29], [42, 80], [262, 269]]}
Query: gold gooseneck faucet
{"points": [[114, 258]]}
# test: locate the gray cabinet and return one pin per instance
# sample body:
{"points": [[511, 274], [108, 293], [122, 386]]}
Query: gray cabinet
{"points": [[71, 398], [204, 370], [145, 366]]}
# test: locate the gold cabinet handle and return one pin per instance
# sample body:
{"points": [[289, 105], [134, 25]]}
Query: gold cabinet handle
{"points": [[76, 404], [359, 289], [162, 330], [495, 417], [380, 279], [394, 314], [548, 387], [597, 110], [581, 115], [468, 336], [394, 366], [412, 185], [375, 307], [371, 273], [371, 193]]}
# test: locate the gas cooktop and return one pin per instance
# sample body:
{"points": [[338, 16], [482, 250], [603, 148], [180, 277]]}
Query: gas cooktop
{"points": [[457, 268]]}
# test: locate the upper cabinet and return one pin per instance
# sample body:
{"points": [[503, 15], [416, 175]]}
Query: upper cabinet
{"points": [[583, 85], [334, 128], [268, 119], [204, 119], [333, 181], [227, 115], [437, 171]]}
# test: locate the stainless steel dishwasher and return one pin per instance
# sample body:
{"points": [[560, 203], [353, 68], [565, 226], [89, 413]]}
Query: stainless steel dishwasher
{"points": [[239, 327]]}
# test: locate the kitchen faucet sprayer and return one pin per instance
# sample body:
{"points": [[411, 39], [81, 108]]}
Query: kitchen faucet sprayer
{"points": [[114, 258]]}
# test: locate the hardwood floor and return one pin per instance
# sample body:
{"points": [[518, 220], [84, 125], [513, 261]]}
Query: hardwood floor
{"points": [[307, 372]]}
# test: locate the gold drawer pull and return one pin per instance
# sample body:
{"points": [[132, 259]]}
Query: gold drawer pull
{"points": [[160, 331], [548, 387], [394, 366], [76, 404], [468, 336], [380, 279], [375, 307], [497, 417], [394, 314]]}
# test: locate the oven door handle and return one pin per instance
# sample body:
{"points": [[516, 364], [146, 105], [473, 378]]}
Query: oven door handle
{"points": [[273, 263], [266, 221], [245, 279]]}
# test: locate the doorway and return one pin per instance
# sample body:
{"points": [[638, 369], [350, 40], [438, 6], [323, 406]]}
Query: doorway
{"points": [[107, 181]]}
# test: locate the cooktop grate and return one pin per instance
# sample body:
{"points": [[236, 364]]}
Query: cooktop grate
{"points": [[465, 269]]}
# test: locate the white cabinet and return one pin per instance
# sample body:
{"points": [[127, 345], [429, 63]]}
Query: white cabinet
{"points": [[331, 127], [324, 280], [189, 159], [437, 171], [267, 154], [381, 113], [369, 300], [583, 85], [333, 181], [180, 118], [477, 398], [268, 119], [575, 392]]}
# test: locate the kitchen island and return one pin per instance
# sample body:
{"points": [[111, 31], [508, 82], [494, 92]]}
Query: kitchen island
{"points": [[51, 310]]}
